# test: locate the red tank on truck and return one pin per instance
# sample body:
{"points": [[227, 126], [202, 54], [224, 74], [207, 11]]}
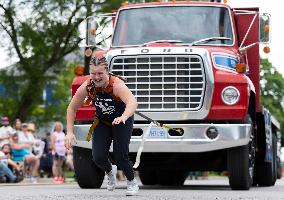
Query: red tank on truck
{"points": [[194, 66]]}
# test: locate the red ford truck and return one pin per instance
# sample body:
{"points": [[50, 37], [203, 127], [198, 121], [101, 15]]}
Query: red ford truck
{"points": [[194, 66]]}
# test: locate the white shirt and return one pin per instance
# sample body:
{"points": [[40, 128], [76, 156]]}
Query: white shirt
{"points": [[59, 143], [38, 147], [26, 138], [4, 160], [5, 131]]}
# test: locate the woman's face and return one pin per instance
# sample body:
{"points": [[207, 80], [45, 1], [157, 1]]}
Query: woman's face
{"points": [[18, 125], [6, 149], [15, 138], [99, 75], [57, 127]]}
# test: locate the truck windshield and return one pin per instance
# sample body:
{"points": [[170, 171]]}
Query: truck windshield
{"points": [[187, 24]]}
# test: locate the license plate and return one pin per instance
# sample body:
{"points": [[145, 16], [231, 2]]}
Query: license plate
{"points": [[158, 133]]}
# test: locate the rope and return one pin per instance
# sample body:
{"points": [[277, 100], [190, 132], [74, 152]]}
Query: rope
{"points": [[141, 146]]}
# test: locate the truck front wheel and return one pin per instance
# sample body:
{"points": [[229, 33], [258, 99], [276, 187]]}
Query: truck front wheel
{"points": [[240, 168], [87, 173], [241, 163], [148, 177]]}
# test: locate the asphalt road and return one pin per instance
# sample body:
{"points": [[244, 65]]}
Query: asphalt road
{"points": [[212, 189]]}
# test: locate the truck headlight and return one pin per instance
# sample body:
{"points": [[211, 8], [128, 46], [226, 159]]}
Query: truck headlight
{"points": [[230, 95]]}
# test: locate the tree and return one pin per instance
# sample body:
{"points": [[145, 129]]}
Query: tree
{"points": [[61, 96], [272, 93], [41, 34]]}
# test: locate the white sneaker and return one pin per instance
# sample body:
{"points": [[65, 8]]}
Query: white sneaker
{"points": [[111, 176], [132, 187], [33, 180]]}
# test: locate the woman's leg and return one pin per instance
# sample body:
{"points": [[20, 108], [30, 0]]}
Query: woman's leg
{"points": [[121, 139], [35, 166], [101, 141], [5, 170], [28, 164], [60, 167], [55, 168]]}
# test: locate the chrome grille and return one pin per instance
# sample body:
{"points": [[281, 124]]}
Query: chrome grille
{"points": [[168, 82]]}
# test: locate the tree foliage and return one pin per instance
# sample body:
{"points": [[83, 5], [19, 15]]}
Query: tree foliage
{"points": [[41, 34], [272, 93]]}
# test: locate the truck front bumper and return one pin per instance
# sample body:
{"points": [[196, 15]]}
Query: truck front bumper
{"points": [[194, 138]]}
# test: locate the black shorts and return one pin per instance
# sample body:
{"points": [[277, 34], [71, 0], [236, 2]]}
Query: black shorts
{"points": [[58, 157]]}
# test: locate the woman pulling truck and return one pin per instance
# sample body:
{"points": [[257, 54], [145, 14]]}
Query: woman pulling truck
{"points": [[115, 106]]}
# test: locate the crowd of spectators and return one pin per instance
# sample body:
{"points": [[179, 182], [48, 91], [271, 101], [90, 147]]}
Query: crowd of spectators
{"points": [[24, 155]]}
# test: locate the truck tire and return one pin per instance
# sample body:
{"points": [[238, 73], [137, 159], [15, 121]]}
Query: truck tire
{"points": [[266, 171], [240, 167], [241, 162], [87, 173], [148, 177], [171, 177]]}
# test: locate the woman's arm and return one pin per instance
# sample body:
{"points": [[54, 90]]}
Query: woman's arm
{"points": [[18, 146], [13, 164], [122, 91], [76, 102], [52, 141]]}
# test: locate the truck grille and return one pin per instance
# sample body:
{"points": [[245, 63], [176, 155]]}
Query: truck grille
{"points": [[168, 82]]}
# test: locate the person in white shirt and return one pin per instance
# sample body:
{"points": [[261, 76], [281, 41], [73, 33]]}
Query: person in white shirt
{"points": [[27, 138], [38, 146], [5, 131], [58, 152], [17, 125]]}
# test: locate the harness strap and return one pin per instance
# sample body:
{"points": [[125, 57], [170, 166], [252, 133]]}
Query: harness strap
{"points": [[94, 125]]}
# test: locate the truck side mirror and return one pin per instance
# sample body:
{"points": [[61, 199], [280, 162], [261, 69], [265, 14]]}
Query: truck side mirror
{"points": [[91, 31], [264, 28]]}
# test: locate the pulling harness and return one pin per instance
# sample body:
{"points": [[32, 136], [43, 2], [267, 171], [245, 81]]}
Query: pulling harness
{"points": [[92, 97]]}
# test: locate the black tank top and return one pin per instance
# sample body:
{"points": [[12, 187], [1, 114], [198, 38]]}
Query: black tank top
{"points": [[108, 106]]}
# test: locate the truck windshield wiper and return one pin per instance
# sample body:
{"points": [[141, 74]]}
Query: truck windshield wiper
{"points": [[205, 40], [161, 41]]}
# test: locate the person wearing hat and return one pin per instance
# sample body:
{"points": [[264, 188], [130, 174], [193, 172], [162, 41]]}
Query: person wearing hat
{"points": [[38, 144], [115, 107], [25, 136], [5, 131], [27, 139]]}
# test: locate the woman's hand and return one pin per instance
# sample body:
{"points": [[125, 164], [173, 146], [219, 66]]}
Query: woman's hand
{"points": [[118, 120], [70, 140]]}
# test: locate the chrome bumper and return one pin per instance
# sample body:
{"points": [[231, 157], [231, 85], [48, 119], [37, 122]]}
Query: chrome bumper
{"points": [[194, 138]]}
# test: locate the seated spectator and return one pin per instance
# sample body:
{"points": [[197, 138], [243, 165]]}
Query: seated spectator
{"points": [[21, 152], [5, 161], [26, 137], [6, 149], [17, 125], [38, 145], [5, 131]]}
